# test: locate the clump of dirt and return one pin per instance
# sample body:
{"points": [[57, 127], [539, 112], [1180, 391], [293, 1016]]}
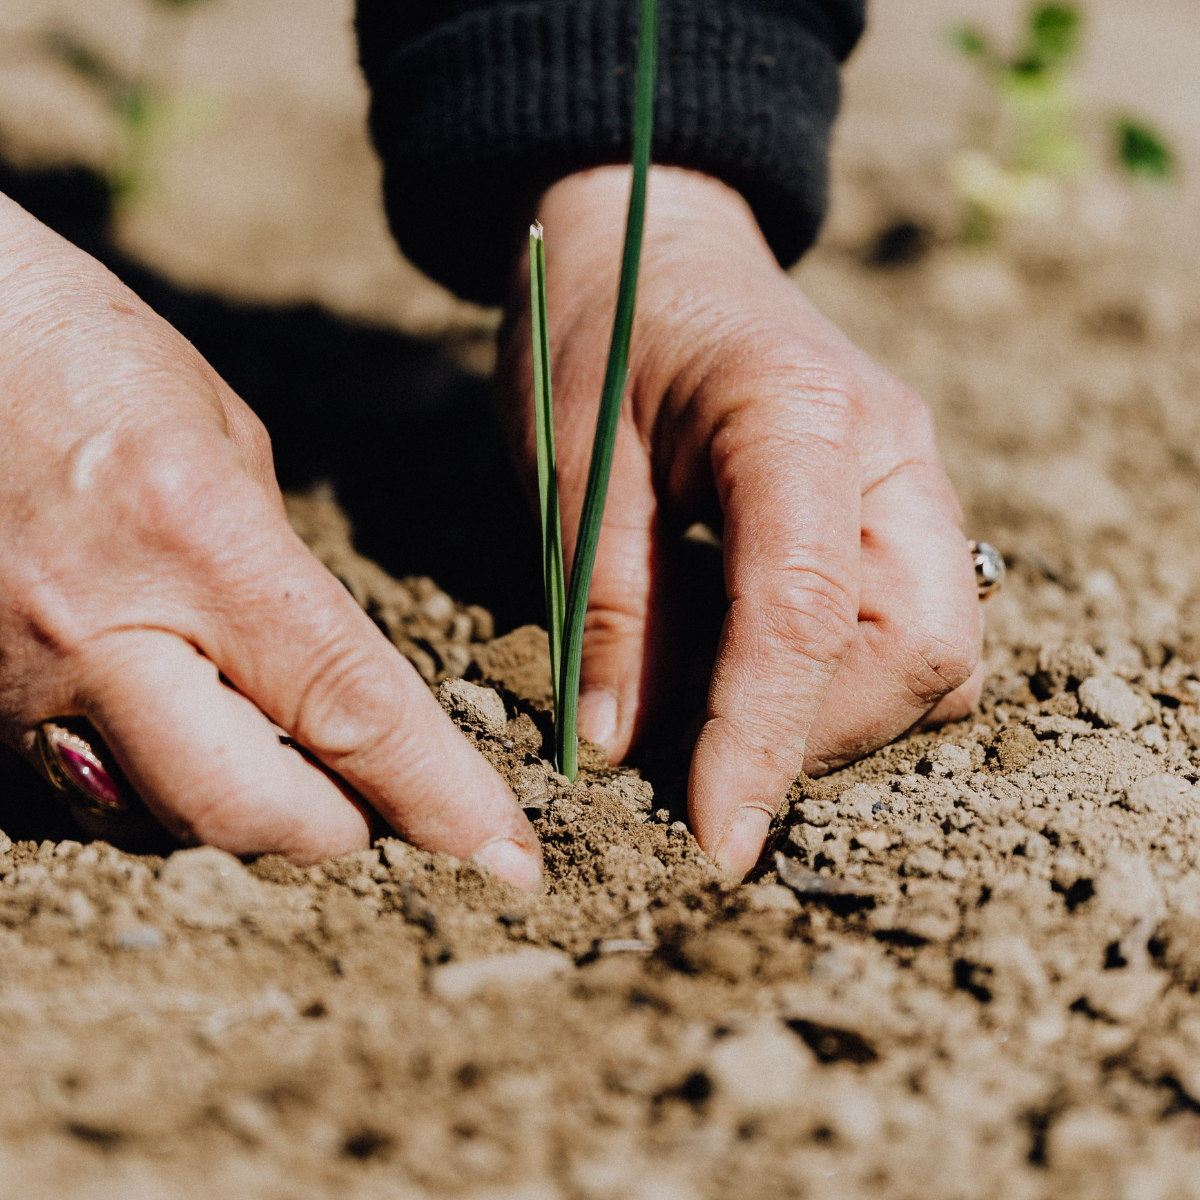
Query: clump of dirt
{"points": [[967, 966]]}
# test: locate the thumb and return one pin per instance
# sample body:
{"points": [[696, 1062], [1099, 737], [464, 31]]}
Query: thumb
{"points": [[623, 644]]}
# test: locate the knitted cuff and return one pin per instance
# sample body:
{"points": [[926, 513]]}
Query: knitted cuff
{"points": [[477, 117]]}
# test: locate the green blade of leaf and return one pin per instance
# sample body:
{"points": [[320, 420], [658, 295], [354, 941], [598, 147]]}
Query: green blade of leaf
{"points": [[1054, 31], [970, 40], [615, 377], [1142, 151], [547, 464]]}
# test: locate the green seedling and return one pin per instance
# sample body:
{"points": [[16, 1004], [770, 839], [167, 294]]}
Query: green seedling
{"points": [[147, 114], [1031, 140], [566, 621], [543, 410]]}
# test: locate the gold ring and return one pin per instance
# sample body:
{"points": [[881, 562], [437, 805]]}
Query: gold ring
{"points": [[75, 768]]}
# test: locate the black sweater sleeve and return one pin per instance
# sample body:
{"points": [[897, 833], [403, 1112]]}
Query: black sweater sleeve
{"points": [[479, 105]]}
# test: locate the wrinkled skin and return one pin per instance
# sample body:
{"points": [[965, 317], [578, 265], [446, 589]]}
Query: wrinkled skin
{"points": [[144, 553], [853, 609], [150, 582]]}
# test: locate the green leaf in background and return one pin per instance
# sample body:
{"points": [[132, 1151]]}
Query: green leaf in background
{"points": [[1141, 151], [1054, 31], [970, 40]]}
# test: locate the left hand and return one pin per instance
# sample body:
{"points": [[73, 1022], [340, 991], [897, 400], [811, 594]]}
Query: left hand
{"points": [[853, 611]]}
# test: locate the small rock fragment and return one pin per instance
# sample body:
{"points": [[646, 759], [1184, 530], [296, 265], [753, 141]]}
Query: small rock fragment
{"points": [[923, 862], [1112, 702], [636, 794], [817, 812], [1015, 748], [208, 888], [139, 937], [1160, 793], [523, 968], [763, 1068], [474, 705], [858, 802], [625, 946], [770, 897], [946, 760], [1067, 666]]}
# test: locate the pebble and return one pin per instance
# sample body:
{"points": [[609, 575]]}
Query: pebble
{"points": [[763, 1068], [474, 704], [139, 937], [502, 972], [625, 946], [1111, 700], [771, 897], [208, 888], [1157, 793]]}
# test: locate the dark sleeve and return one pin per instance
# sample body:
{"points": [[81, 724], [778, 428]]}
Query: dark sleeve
{"points": [[477, 107]]}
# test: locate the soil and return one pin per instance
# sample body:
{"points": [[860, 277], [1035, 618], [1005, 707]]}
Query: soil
{"points": [[969, 965]]}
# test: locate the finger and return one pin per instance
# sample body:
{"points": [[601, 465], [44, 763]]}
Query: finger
{"points": [[788, 483], [956, 705], [290, 636], [625, 642], [205, 761], [918, 637]]}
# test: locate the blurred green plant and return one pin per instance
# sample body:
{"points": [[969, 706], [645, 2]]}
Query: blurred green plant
{"points": [[1031, 140], [147, 112]]}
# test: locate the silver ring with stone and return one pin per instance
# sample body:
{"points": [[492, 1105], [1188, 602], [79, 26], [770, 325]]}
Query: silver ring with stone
{"points": [[989, 568]]}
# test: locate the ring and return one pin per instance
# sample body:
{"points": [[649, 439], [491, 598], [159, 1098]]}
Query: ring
{"points": [[989, 568], [77, 770]]}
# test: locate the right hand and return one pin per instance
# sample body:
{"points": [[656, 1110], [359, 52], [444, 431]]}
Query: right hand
{"points": [[145, 554]]}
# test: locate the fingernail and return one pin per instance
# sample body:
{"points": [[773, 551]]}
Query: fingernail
{"points": [[743, 840], [598, 715], [511, 862]]}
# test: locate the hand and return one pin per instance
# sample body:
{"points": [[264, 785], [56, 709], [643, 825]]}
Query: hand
{"points": [[145, 559], [853, 612]]}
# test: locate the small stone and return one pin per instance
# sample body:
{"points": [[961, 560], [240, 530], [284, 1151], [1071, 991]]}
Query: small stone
{"points": [[1067, 666], [394, 851], [473, 705], [635, 794], [1161, 793], [139, 937], [764, 1068], [208, 888], [1015, 748], [502, 972], [662, 814], [625, 946], [817, 812], [945, 760], [484, 628], [923, 862], [858, 802], [770, 897], [1112, 702], [875, 840]]}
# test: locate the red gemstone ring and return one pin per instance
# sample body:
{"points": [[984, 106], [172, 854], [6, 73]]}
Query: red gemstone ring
{"points": [[75, 768]]}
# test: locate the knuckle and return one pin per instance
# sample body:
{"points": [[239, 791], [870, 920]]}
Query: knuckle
{"points": [[349, 704], [814, 614]]}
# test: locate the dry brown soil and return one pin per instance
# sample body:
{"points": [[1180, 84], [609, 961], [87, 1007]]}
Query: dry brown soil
{"points": [[981, 982]]}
